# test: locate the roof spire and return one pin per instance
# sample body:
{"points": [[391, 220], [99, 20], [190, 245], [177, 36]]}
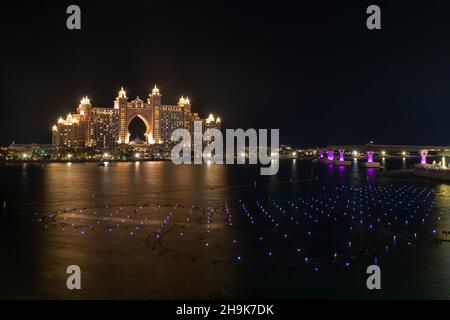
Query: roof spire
{"points": [[122, 93], [155, 91]]}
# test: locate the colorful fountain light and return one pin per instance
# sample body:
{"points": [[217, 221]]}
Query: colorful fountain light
{"points": [[330, 154], [423, 156], [370, 156], [321, 153], [341, 155], [423, 159]]}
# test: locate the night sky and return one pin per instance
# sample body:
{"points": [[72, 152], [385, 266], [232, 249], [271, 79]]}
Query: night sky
{"points": [[312, 70]]}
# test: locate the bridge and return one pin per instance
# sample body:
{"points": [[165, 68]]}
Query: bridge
{"points": [[383, 150], [388, 148]]}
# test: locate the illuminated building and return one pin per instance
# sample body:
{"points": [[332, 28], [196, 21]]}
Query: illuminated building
{"points": [[106, 127], [68, 132], [104, 130], [171, 117], [210, 123]]}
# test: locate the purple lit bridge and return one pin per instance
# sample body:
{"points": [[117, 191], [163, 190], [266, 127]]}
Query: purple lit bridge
{"points": [[337, 154]]}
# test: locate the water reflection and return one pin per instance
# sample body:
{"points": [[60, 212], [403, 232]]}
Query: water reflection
{"points": [[370, 174], [106, 219]]}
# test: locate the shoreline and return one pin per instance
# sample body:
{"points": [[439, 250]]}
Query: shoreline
{"points": [[43, 161], [74, 161]]}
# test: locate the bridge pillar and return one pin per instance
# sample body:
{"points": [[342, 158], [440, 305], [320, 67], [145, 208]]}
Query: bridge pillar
{"points": [[330, 155], [423, 156], [341, 154], [370, 163], [369, 156]]}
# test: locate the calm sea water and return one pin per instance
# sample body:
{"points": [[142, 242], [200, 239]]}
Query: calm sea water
{"points": [[159, 231]]}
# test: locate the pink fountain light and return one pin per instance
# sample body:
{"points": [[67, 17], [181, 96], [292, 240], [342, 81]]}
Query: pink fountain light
{"points": [[370, 156], [423, 156], [341, 155], [330, 154]]}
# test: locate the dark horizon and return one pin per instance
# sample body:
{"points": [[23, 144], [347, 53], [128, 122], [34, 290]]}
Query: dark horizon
{"points": [[312, 70]]}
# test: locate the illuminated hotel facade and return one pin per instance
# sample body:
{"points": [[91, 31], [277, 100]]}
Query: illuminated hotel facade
{"points": [[106, 127]]}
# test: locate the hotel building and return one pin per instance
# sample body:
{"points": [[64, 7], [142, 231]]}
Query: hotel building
{"points": [[107, 127]]}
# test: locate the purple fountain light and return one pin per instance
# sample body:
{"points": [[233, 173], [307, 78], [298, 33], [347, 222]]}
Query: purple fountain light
{"points": [[341, 155], [423, 156], [321, 153], [370, 156], [330, 154]]}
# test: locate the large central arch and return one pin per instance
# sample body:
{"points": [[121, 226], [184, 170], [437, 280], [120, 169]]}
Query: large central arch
{"points": [[145, 116]]}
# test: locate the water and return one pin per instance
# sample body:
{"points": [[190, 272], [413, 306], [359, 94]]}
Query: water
{"points": [[159, 231]]}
